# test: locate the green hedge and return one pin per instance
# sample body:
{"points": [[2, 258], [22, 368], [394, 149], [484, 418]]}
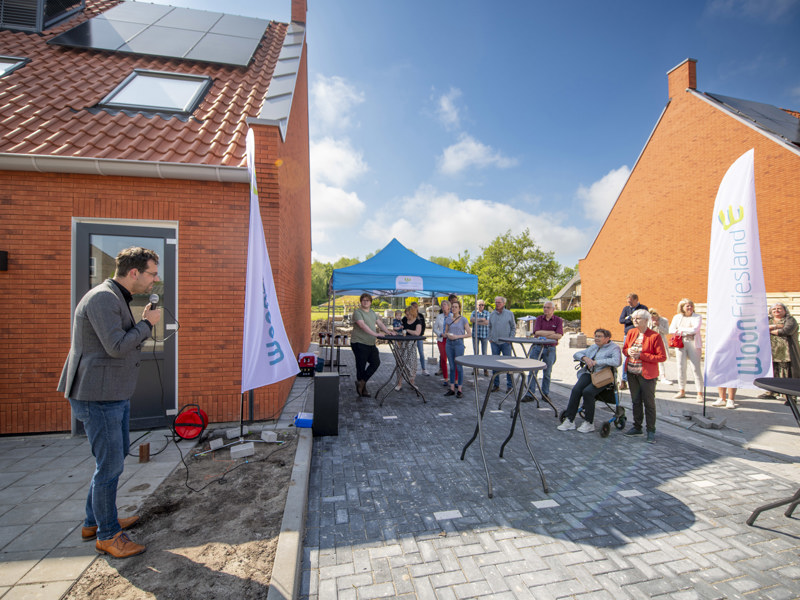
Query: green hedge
{"points": [[567, 315]]}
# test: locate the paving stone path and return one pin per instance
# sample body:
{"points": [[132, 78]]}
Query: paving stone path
{"points": [[394, 513]]}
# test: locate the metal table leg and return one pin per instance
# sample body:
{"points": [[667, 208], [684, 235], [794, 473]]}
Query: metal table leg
{"points": [[517, 414], [480, 410], [792, 502]]}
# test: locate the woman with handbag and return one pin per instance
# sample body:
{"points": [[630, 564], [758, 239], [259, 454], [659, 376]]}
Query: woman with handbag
{"points": [[685, 338], [594, 361], [644, 350]]}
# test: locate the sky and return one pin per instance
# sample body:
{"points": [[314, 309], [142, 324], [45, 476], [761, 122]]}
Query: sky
{"points": [[445, 124]]}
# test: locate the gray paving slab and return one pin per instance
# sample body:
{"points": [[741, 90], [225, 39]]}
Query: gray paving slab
{"points": [[394, 511]]}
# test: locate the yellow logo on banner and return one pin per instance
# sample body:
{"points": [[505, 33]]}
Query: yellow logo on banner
{"points": [[731, 219]]}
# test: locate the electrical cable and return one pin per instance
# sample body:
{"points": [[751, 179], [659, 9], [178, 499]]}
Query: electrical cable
{"points": [[221, 478]]}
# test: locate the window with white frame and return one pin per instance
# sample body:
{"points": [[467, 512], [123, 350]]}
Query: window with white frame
{"points": [[158, 91], [11, 63]]}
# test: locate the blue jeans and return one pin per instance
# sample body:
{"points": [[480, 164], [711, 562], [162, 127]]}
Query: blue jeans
{"points": [[421, 350], [455, 348], [549, 358], [106, 425], [481, 345], [505, 350]]}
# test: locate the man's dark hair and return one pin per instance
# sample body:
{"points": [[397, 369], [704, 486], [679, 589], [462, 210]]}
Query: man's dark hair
{"points": [[452, 297], [604, 332], [134, 257]]}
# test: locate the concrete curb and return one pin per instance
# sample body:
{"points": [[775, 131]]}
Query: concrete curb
{"points": [[285, 581]]}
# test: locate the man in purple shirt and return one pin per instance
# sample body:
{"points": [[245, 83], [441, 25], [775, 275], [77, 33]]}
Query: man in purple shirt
{"points": [[549, 326]]}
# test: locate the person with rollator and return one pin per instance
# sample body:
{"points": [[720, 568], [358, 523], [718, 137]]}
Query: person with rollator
{"points": [[601, 354]]}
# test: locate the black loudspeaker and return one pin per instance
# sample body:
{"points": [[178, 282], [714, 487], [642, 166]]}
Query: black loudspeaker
{"points": [[326, 404]]}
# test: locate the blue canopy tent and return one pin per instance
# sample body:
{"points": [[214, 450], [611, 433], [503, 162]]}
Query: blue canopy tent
{"points": [[396, 271]]}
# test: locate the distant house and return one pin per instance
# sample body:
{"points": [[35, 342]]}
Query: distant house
{"points": [[124, 123], [655, 241], [569, 296]]}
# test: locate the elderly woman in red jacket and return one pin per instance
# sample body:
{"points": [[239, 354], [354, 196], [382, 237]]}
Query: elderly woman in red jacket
{"points": [[644, 349]]}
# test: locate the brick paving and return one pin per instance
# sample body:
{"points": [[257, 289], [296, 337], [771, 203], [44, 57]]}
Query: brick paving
{"points": [[394, 513]]}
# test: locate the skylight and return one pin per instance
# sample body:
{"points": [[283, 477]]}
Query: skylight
{"points": [[158, 91], [11, 63]]}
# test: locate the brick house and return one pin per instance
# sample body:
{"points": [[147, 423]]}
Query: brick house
{"points": [[124, 123], [662, 253]]}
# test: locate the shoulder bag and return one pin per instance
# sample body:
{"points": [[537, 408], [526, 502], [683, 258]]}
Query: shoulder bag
{"points": [[602, 377]]}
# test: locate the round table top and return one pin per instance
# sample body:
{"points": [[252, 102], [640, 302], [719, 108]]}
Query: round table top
{"points": [[529, 340], [499, 362], [779, 385], [402, 338]]}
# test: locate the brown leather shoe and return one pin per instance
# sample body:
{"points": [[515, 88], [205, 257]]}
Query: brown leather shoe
{"points": [[89, 533], [120, 546]]}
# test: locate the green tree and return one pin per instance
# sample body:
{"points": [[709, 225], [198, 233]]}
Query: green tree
{"points": [[514, 267], [321, 275], [441, 260]]}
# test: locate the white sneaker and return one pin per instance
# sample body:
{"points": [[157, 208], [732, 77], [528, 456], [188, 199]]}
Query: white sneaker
{"points": [[567, 425], [424, 372], [730, 404], [718, 403], [665, 381], [398, 387], [586, 427]]}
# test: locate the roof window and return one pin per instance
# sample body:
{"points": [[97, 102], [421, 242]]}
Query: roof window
{"points": [[11, 63], [158, 91]]}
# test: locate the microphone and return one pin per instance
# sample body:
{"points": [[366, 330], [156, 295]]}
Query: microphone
{"points": [[153, 301]]}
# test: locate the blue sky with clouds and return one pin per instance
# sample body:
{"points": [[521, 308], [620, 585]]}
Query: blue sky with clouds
{"points": [[446, 123]]}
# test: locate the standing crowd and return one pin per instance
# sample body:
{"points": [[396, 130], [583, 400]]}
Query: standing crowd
{"points": [[648, 337]]}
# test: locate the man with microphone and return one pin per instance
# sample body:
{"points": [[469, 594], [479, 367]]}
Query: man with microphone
{"points": [[99, 378]]}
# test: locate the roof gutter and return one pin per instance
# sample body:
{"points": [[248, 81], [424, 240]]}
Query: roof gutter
{"points": [[123, 168]]}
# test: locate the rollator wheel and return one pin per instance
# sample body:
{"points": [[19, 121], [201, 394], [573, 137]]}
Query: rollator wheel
{"points": [[562, 415], [605, 430], [620, 422]]}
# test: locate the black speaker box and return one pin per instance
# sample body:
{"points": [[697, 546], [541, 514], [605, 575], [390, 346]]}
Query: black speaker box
{"points": [[326, 404]]}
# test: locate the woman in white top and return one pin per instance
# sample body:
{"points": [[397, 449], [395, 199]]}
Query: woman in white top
{"points": [[687, 323]]}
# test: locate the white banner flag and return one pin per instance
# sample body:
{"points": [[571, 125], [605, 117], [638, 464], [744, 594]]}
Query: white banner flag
{"points": [[738, 349], [267, 356]]}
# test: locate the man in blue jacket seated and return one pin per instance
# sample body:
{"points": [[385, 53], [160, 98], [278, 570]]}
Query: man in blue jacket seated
{"points": [[601, 354]]}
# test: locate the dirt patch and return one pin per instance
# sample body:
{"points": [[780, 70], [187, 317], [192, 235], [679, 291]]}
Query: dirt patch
{"points": [[218, 542]]}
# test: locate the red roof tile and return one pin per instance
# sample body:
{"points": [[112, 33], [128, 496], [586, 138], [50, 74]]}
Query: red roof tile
{"points": [[45, 105]]}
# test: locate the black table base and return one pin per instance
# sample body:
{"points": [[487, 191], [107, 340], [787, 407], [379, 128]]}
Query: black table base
{"points": [[789, 388], [481, 410], [399, 366]]}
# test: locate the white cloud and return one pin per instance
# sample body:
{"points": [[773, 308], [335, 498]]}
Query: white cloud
{"points": [[795, 93], [335, 161], [470, 224], [599, 197], [469, 152], [332, 102], [333, 209], [447, 110], [768, 10]]}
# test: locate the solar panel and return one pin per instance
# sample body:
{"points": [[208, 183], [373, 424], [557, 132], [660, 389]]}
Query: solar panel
{"points": [[166, 31], [767, 116]]}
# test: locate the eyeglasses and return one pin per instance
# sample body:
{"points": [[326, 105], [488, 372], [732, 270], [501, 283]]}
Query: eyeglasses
{"points": [[151, 273]]}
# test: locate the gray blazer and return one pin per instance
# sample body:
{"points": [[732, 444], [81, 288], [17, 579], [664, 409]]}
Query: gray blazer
{"points": [[103, 361]]}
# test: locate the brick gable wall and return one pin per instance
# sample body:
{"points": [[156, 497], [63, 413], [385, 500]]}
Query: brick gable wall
{"points": [[655, 241]]}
